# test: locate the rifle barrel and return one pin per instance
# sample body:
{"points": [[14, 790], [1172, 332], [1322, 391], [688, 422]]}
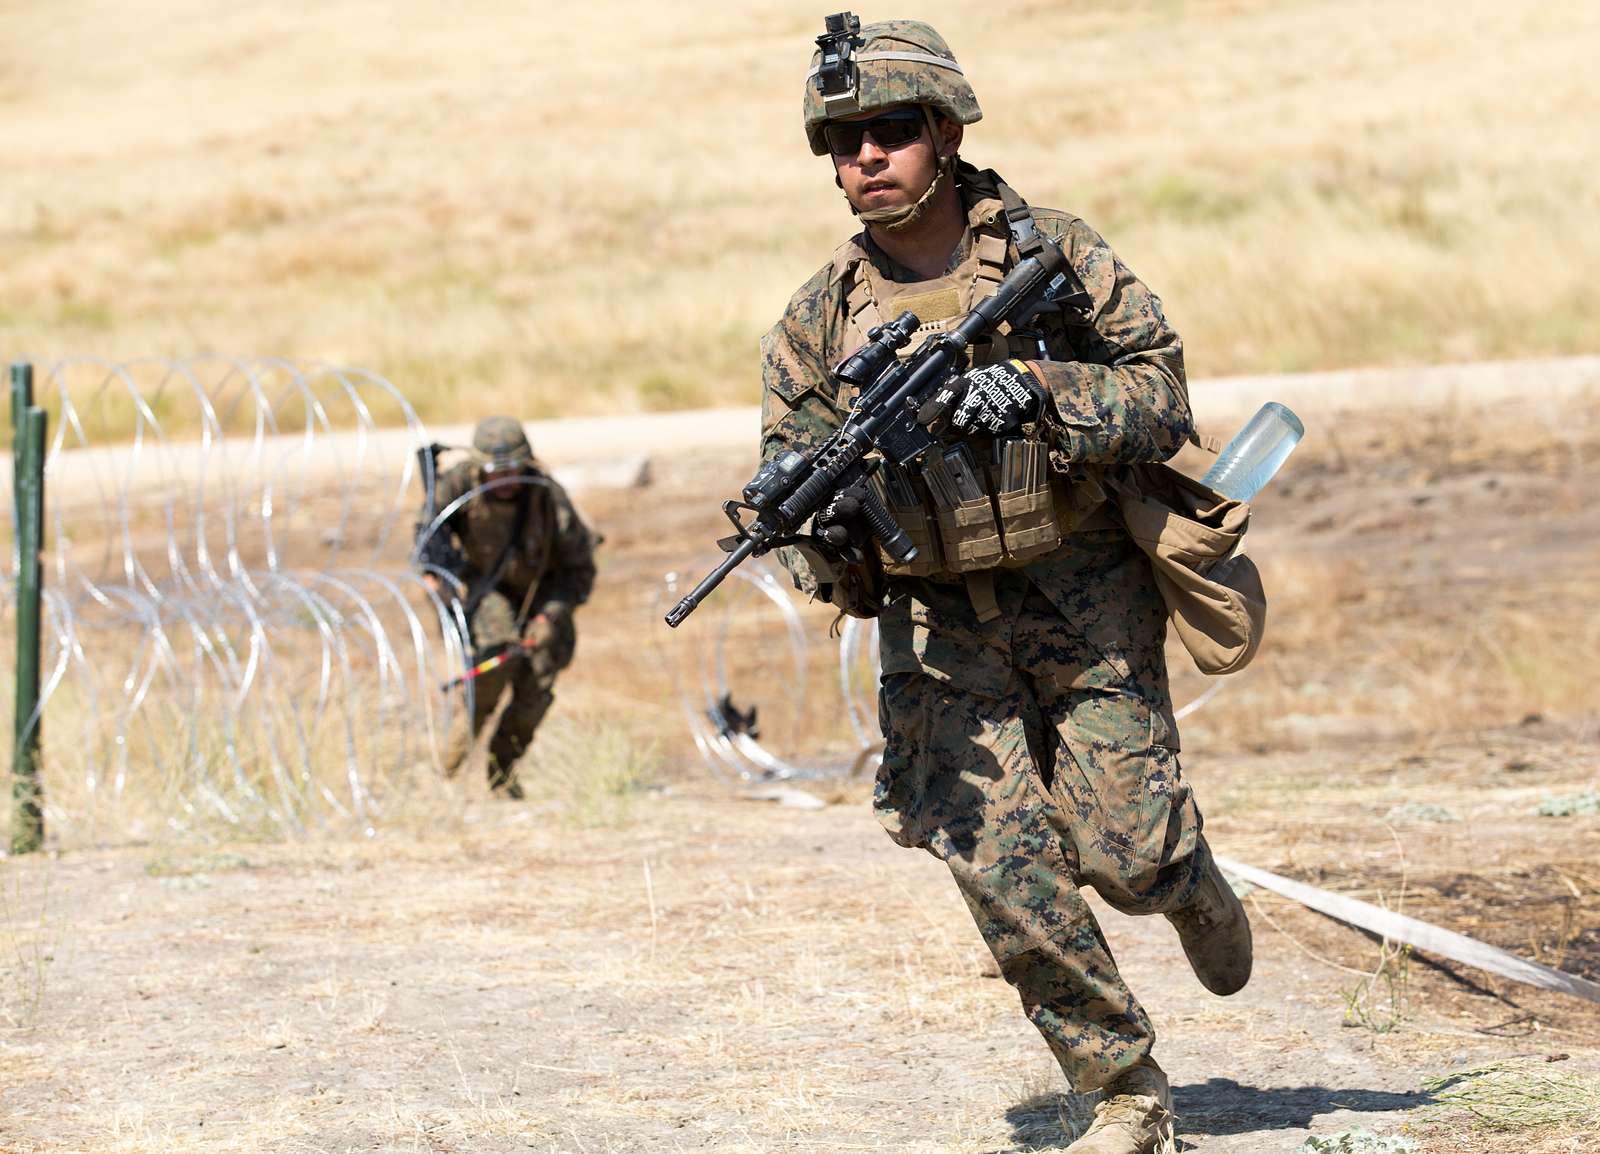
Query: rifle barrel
{"points": [[703, 590]]}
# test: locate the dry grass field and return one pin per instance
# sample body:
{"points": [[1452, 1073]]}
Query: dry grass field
{"points": [[600, 207], [635, 961]]}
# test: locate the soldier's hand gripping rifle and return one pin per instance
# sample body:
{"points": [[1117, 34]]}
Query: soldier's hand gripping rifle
{"points": [[899, 403]]}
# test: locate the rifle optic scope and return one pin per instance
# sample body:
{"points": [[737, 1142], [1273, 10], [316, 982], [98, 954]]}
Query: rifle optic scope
{"points": [[867, 363]]}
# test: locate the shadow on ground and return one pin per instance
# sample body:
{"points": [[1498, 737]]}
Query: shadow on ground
{"points": [[1213, 1108], [1048, 1121], [1222, 1106]]}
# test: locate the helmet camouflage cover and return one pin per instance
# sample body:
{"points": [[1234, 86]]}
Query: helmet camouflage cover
{"points": [[891, 62], [502, 440]]}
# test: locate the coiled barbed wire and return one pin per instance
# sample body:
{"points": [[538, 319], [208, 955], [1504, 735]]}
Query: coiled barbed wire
{"points": [[233, 634]]}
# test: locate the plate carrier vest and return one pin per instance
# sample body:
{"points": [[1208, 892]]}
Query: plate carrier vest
{"points": [[987, 502]]}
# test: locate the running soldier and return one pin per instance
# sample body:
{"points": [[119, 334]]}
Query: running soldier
{"points": [[1030, 737]]}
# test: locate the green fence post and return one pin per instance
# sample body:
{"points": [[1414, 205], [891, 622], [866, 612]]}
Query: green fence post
{"points": [[27, 450], [21, 397]]}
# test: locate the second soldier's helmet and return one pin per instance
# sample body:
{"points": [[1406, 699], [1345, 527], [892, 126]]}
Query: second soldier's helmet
{"points": [[502, 441], [859, 69]]}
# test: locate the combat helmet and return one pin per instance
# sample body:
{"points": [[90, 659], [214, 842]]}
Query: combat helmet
{"points": [[859, 69], [504, 444]]}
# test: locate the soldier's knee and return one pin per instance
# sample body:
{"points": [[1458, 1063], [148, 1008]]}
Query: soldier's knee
{"points": [[486, 689], [527, 710], [1143, 874], [1125, 882]]}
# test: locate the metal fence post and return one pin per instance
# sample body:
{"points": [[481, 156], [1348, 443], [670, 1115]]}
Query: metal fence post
{"points": [[27, 450]]}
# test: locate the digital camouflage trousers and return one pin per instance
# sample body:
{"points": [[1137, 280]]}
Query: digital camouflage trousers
{"points": [[1066, 780]]}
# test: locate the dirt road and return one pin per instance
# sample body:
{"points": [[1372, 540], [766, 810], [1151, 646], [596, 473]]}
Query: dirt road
{"points": [[581, 447]]}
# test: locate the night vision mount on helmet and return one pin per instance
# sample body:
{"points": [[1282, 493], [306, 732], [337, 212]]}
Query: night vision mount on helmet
{"points": [[836, 75]]}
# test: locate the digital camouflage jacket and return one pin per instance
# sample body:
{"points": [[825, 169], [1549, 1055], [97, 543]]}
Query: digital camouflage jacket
{"points": [[1120, 397]]}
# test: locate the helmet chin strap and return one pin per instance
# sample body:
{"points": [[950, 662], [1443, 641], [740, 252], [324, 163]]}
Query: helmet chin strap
{"points": [[895, 219]]}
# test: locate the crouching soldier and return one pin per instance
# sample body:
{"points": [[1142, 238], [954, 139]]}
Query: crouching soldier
{"points": [[524, 561]]}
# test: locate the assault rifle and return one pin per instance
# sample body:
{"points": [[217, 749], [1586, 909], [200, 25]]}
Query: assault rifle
{"points": [[899, 403]]}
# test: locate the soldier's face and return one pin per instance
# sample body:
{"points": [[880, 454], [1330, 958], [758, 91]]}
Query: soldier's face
{"points": [[875, 176]]}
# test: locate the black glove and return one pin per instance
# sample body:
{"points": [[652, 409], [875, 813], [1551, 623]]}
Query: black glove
{"points": [[992, 399], [842, 522]]}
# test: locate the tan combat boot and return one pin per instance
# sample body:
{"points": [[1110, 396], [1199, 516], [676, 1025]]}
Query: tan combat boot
{"points": [[1135, 1117], [1215, 934]]}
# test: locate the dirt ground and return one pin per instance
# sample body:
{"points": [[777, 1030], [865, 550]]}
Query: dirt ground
{"points": [[687, 970]]}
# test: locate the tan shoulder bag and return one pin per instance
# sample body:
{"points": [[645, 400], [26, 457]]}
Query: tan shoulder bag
{"points": [[1194, 538]]}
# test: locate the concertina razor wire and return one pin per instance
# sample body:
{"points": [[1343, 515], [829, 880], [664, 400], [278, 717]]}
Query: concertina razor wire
{"points": [[236, 635], [233, 636]]}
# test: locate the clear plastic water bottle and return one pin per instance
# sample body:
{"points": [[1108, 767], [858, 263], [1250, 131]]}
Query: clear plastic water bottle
{"points": [[1249, 460]]}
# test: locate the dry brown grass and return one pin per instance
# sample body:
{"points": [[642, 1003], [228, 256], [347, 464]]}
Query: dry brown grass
{"points": [[499, 210], [1417, 679], [31, 927], [715, 976], [1422, 574]]}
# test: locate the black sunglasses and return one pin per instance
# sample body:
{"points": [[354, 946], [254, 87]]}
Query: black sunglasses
{"points": [[890, 130]]}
